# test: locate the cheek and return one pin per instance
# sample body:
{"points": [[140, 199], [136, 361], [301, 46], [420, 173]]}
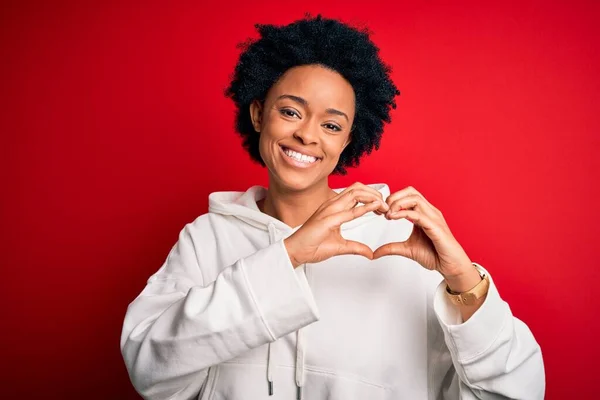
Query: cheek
{"points": [[275, 128], [272, 132], [268, 144], [263, 144], [279, 128], [335, 147]]}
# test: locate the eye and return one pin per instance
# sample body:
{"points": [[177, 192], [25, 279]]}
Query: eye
{"points": [[288, 112], [332, 127]]}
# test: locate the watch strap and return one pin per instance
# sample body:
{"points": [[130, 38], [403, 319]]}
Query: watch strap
{"points": [[471, 296]]}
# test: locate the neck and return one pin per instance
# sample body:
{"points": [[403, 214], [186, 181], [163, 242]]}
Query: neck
{"points": [[292, 207]]}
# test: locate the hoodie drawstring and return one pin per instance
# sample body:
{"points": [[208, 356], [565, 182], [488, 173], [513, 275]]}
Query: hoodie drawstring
{"points": [[300, 352], [300, 342], [270, 369], [271, 348]]}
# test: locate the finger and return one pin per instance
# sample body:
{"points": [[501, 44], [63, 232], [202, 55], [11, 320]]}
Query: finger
{"points": [[412, 202], [360, 186], [418, 218], [339, 195], [366, 197], [352, 197], [395, 248], [351, 187], [407, 191], [370, 189], [357, 248], [339, 218]]}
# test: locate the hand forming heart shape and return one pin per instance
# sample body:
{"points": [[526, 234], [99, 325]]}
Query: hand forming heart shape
{"points": [[431, 242]]}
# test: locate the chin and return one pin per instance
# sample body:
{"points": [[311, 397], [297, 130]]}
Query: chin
{"points": [[295, 181]]}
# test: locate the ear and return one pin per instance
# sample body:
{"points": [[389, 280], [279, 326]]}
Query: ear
{"points": [[256, 112]]}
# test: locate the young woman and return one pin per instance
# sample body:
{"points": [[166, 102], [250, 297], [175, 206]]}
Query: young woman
{"points": [[277, 294]]}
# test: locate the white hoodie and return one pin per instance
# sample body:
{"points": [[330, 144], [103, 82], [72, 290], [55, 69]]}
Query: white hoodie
{"points": [[228, 317]]}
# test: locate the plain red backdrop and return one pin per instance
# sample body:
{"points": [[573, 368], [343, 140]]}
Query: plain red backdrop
{"points": [[115, 130]]}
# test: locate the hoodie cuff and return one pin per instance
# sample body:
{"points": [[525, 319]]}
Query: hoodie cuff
{"points": [[471, 338], [280, 292]]}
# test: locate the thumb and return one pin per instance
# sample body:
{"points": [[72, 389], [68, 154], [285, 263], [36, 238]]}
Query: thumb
{"points": [[395, 248], [352, 247]]}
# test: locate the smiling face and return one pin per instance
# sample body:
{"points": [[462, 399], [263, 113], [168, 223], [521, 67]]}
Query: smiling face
{"points": [[304, 125]]}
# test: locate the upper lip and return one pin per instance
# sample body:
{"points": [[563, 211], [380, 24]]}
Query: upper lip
{"points": [[300, 150]]}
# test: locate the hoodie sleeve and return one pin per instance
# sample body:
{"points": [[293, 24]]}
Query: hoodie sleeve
{"points": [[494, 354], [179, 326]]}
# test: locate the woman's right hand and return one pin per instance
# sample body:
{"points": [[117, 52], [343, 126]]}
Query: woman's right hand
{"points": [[320, 238]]}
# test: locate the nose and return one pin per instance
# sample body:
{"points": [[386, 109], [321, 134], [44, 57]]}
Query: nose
{"points": [[306, 133]]}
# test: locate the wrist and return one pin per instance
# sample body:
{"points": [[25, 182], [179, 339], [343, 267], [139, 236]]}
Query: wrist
{"points": [[464, 281]]}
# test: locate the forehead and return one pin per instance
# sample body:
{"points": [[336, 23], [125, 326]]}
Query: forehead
{"points": [[319, 86]]}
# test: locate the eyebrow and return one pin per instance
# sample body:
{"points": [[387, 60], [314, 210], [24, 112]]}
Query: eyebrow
{"points": [[303, 102]]}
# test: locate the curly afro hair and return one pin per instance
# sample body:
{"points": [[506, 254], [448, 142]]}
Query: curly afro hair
{"points": [[321, 41]]}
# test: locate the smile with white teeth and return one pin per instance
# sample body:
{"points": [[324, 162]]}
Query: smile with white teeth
{"points": [[299, 156]]}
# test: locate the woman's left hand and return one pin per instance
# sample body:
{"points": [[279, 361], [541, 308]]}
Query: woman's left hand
{"points": [[431, 243]]}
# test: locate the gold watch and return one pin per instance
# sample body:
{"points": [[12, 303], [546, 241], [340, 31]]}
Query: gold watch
{"points": [[471, 296]]}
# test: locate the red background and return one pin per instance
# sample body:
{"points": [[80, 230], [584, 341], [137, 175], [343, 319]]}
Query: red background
{"points": [[115, 130]]}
